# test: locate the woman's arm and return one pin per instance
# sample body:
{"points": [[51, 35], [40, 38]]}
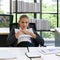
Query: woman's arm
{"points": [[18, 34], [29, 33], [11, 37], [39, 39]]}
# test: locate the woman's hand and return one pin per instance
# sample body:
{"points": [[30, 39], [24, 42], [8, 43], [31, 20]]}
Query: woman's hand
{"points": [[18, 34], [29, 33], [25, 32]]}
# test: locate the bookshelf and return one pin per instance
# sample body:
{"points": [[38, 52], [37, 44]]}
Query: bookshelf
{"points": [[23, 7], [26, 7], [41, 25]]}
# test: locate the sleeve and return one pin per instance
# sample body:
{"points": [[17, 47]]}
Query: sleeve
{"points": [[39, 40], [11, 39]]}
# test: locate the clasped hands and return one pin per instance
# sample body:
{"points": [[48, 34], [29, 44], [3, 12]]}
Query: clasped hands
{"points": [[25, 32]]}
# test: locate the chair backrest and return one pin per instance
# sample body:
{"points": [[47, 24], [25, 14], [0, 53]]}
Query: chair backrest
{"points": [[32, 25]]}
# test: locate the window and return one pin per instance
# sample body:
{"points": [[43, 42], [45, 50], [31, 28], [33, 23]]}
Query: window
{"points": [[4, 6], [59, 20], [49, 10], [59, 12], [49, 6], [52, 18]]}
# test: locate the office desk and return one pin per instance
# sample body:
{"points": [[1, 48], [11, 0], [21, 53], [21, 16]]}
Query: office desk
{"points": [[19, 54], [3, 36], [13, 54], [44, 56]]}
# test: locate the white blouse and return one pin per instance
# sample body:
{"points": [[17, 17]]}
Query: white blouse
{"points": [[24, 37]]}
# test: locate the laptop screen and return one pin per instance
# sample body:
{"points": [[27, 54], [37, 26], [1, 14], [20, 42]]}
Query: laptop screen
{"points": [[5, 20]]}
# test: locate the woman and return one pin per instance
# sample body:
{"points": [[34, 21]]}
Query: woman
{"points": [[24, 36]]}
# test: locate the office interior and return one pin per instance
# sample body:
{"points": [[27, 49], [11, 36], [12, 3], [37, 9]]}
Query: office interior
{"points": [[45, 11]]}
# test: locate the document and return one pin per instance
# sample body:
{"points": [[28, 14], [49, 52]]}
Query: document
{"points": [[50, 50], [33, 54]]}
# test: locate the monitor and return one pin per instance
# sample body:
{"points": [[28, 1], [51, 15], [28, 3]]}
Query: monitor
{"points": [[5, 20]]}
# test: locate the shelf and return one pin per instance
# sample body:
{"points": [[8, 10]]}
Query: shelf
{"points": [[27, 7], [52, 30], [26, 12]]}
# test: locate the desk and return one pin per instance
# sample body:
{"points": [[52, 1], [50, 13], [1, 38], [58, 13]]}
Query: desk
{"points": [[13, 54], [3, 36], [44, 56], [19, 54]]}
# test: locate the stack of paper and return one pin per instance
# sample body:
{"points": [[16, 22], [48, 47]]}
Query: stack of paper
{"points": [[19, 9], [32, 20], [43, 25], [14, 6], [49, 50], [37, 7]]}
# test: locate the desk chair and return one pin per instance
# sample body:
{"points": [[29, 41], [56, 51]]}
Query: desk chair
{"points": [[32, 25]]}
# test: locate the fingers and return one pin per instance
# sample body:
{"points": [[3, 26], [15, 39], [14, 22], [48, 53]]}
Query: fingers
{"points": [[25, 32], [18, 34]]}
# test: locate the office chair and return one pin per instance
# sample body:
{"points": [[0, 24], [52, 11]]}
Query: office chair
{"points": [[15, 25], [32, 25]]}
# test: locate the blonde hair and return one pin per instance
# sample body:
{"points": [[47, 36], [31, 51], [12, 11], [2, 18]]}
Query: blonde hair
{"points": [[23, 16]]}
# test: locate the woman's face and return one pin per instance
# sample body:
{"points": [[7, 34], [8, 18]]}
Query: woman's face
{"points": [[24, 22]]}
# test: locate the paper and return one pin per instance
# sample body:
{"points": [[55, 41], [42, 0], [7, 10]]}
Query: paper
{"points": [[33, 54], [50, 50]]}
